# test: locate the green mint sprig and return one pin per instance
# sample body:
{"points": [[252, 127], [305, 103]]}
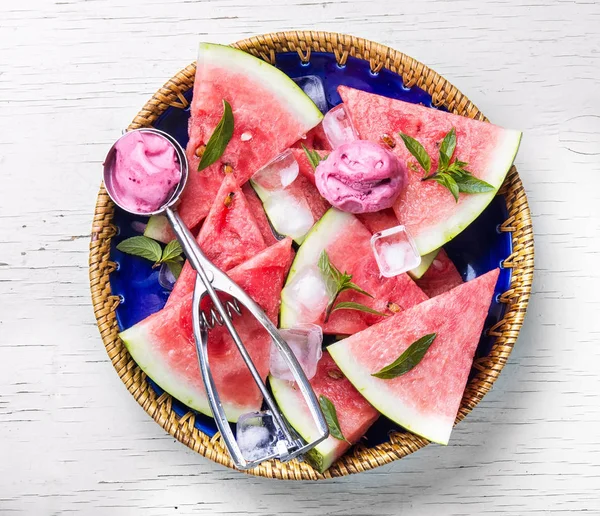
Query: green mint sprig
{"points": [[331, 418], [407, 360], [219, 138], [452, 175], [150, 249], [337, 282], [314, 158]]}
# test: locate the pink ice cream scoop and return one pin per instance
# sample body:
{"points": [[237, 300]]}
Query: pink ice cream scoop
{"points": [[145, 171], [360, 177]]}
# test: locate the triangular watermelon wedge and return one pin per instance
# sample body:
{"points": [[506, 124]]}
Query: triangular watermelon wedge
{"points": [[270, 113], [163, 344], [441, 276], [426, 399], [488, 149], [229, 236], [258, 212], [355, 414], [347, 243]]}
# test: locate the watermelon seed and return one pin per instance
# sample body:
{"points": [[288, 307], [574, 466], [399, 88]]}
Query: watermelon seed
{"points": [[393, 307], [228, 199], [336, 374], [388, 140], [227, 168], [246, 136], [200, 150]]}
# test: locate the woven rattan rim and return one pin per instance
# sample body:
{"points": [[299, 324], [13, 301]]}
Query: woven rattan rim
{"points": [[506, 331]]}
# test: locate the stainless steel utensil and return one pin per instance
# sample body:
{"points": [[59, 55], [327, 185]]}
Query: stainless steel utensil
{"points": [[209, 281]]}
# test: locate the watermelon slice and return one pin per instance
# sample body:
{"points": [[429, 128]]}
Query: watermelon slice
{"points": [[256, 208], [314, 139], [378, 220], [229, 236], [354, 413], [304, 166], [163, 344], [489, 151], [440, 277], [292, 209], [347, 243], [426, 399], [270, 113]]}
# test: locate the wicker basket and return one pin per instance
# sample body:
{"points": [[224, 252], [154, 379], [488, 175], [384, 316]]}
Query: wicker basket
{"points": [[359, 458]]}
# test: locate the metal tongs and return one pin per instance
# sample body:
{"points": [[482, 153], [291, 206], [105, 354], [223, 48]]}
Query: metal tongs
{"points": [[209, 281]]}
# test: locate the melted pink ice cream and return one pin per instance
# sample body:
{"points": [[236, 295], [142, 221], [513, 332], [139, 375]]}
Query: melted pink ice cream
{"points": [[360, 177], [145, 171]]}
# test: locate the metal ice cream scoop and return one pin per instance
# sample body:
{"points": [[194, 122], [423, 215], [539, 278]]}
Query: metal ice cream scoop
{"points": [[209, 281]]}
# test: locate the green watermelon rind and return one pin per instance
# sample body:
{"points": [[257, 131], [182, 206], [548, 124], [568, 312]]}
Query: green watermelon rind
{"points": [[322, 455], [274, 80], [158, 228], [289, 93], [426, 262], [472, 205], [330, 225], [138, 342], [430, 427]]}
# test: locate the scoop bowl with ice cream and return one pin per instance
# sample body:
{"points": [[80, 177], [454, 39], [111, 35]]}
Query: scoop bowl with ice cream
{"points": [[145, 172], [360, 177]]}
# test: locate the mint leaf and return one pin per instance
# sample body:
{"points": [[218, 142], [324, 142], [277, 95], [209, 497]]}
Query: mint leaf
{"points": [[418, 151], [219, 138], [407, 360], [141, 246], [349, 305], [447, 149], [333, 278], [175, 267], [330, 414], [172, 250], [348, 285], [448, 181], [336, 282], [313, 156], [470, 184]]}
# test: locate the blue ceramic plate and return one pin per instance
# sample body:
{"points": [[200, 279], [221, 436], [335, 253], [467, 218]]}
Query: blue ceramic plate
{"points": [[477, 250]]}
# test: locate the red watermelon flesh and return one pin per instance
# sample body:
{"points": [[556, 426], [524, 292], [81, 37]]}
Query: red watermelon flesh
{"points": [[270, 113], [355, 414], [347, 243], [163, 344], [304, 166], [228, 237], [426, 399], [314, 139], [256, 208], [378, 220], [426, 208], [440, 277]]}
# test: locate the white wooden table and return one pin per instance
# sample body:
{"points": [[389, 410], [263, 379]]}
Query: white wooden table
{"points": [[72, 439]]}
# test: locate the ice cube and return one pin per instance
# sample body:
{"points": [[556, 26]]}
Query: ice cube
{"points": [[257, 436], [278, 174], [312, 85], [289, 215], [166, 278], [305, 341], [395, 251], [306, 294], [338, 127]]}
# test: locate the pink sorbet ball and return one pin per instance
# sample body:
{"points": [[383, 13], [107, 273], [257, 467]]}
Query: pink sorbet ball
{"points": [[361, 177]]}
